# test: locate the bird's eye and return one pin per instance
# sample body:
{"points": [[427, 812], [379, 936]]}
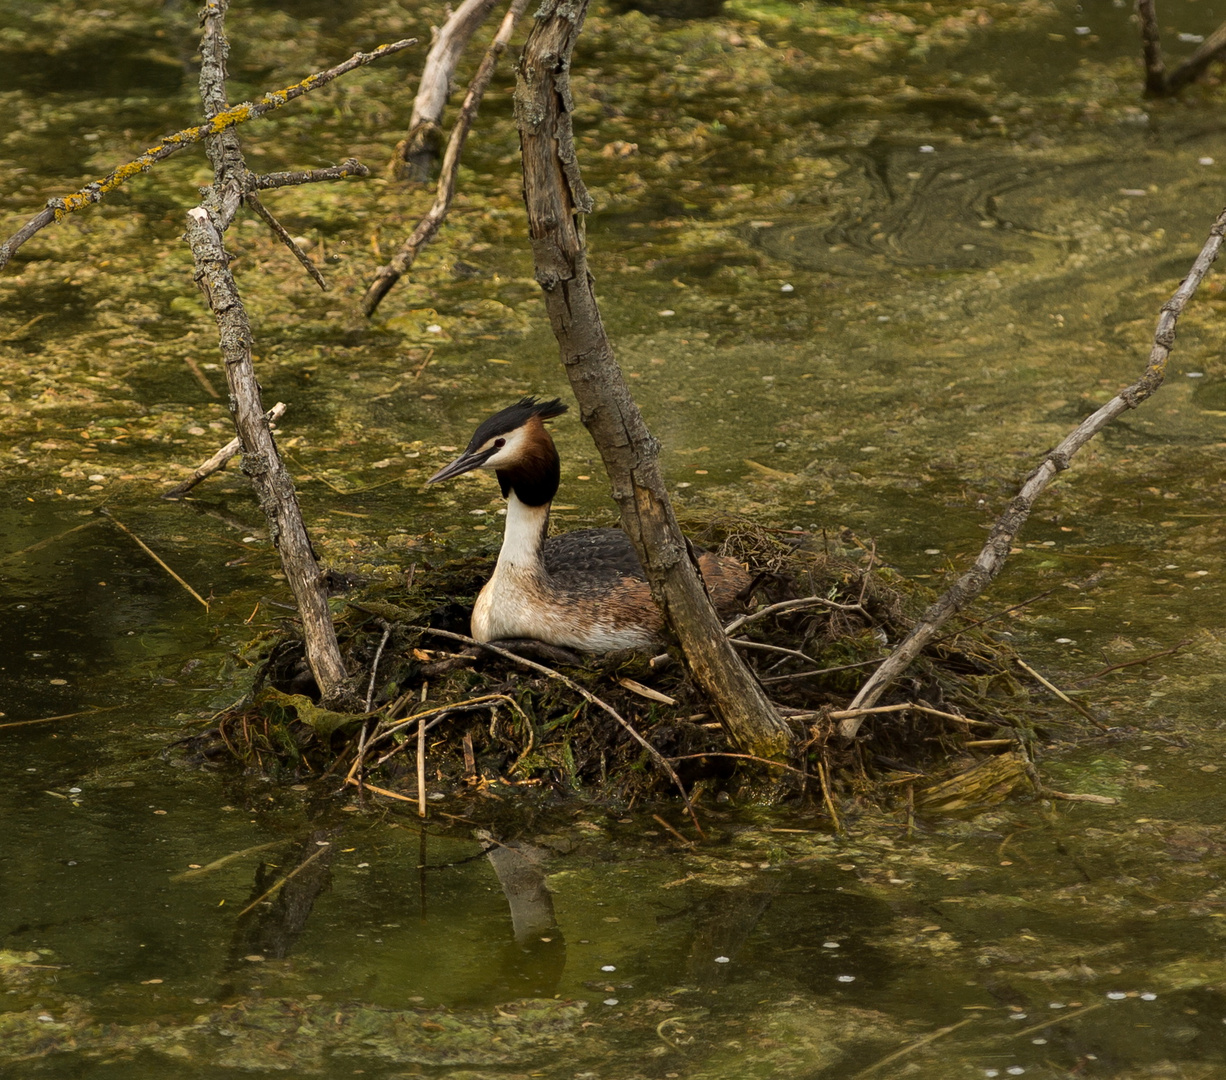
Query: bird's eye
{"points": [[499, 443]]}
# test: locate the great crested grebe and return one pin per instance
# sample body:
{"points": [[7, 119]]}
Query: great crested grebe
{"points": [[582, 590]]}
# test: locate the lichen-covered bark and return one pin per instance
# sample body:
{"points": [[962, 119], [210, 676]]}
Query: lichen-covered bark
{"points": [[556, 200], [261, 462]]}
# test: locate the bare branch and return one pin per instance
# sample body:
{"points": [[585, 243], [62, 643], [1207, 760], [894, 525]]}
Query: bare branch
{"points": [[220, 459], [556, 200], [58, 208], [992, 558], [416, 155], [429, 225], [348, 167], [1151, 49], [1189, 70], [261, 211]]}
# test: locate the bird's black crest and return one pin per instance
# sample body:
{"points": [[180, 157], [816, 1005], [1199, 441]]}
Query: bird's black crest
{"points": [[514, 416]]}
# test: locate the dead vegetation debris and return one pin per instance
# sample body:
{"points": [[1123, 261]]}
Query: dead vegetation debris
{"points": [[439, 714]]}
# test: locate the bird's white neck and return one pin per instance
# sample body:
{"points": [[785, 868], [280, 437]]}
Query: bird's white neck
{"points": [[525, 534]]}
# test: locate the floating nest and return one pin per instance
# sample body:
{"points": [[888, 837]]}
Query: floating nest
{"points": [[439, 715]]}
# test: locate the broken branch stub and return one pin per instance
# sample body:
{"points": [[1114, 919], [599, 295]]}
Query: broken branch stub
{"points": [[556, 200], [416, 154], [429, 225]]}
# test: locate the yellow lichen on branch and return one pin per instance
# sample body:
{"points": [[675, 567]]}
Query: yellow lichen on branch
{"points": [[59, 208]]}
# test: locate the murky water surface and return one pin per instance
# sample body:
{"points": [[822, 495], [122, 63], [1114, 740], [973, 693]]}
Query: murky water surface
{"points": [[862, 264]]}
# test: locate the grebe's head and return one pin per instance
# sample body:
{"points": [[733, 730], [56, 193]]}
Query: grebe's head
{"points": [[513, 442]]}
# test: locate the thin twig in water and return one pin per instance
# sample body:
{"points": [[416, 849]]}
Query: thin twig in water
{"points": [[49, 540], [380, 791], [201, 377], [918, 1044], [583, 692], [225, 860], [276, 887], [62, 716], [1133, 663], [1063, 1018], [1061, 694], [154, 556], [685, 840], [1070, 796], [279, 231], [222, 458]]}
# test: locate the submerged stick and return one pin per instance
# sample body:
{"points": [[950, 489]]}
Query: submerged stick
{"points": [[277, 886], [49, 540], [1060, 694], [225, 860], [995, 552], [918, 1044], [154, 556], [62, 716], [58, 208], [222, 458], [1133, 663], [281, 233]]}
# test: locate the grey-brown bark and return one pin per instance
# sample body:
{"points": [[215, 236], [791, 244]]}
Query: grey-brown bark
{"points": [[416, 155], [429, 225], [261, 461], [557, 200], [1158, 81], [992, 558]]}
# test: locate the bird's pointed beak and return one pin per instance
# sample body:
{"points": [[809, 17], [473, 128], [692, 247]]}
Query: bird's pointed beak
{"points": [[466, 462]]}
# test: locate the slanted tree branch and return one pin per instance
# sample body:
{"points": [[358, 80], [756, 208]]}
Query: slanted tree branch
{"points": [[557, 200], [992, 558], [261, 461], [415, 155], [224, 119], [1158, 81], [429, 225]]}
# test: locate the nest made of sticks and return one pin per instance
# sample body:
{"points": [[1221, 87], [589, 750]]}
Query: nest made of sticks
{"points": [[628, 726]]}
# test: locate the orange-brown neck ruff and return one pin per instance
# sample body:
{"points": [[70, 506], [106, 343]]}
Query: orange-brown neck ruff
{"points": [[534, 477]]}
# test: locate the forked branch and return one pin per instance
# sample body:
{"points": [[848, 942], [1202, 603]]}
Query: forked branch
{"points": [[59, 208]]}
